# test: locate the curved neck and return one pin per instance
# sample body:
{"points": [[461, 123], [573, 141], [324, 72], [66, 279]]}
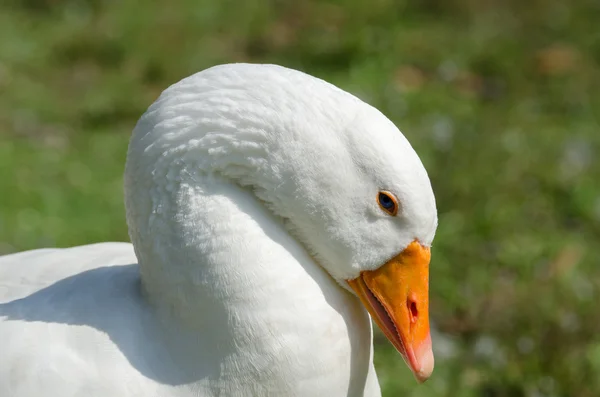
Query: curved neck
{"points": [[225, 268], [216, 248]]}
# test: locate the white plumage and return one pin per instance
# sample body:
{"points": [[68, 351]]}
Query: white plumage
{"points": [[250, 193]]}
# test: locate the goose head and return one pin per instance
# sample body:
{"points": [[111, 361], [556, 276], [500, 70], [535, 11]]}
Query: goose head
{"points": [[338, 174]]}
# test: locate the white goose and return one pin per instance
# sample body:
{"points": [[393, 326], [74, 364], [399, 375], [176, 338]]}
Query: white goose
{"points": [[262, 203]]}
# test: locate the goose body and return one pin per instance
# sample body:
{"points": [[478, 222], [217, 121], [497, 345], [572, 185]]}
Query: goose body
{"points": [[252, 203]]}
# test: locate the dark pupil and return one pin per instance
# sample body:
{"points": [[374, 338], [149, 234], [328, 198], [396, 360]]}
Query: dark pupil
{"points": [[385, 201]]}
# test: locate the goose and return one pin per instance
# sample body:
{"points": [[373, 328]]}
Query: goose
{"points": [[271, 215]]}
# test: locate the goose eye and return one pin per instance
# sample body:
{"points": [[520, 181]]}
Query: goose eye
{"points": [[388, 202]]}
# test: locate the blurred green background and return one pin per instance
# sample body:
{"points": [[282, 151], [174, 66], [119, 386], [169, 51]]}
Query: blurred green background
{"points": [[501, 99]]}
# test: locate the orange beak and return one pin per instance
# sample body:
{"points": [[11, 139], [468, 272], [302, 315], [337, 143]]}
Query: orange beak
{"points": [[397, 296]]}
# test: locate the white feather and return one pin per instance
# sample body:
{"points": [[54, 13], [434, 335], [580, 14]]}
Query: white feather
{"points": [[251, 196]]}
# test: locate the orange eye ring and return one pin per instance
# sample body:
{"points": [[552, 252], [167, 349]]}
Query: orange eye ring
{"points": [[388, 202]]}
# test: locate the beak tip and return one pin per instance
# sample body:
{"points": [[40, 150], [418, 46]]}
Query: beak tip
{"points": [[425, 372], [426, 362]]}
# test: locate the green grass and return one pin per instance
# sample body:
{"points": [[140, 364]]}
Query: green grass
{"points": [[500, 99]]}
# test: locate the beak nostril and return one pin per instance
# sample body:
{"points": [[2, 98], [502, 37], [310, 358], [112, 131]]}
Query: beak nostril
{"points": [[414, 313]]}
